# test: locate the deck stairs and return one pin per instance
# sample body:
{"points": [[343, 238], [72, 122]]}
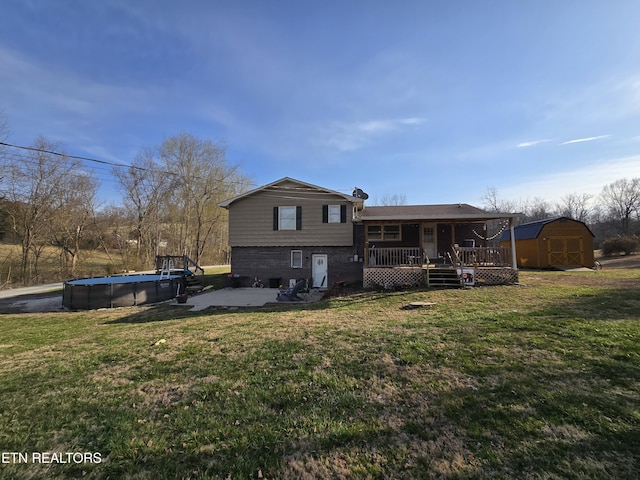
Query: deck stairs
{"points": [[443, 278], [192, 284]]}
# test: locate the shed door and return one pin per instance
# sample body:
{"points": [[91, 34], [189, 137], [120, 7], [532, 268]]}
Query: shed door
{"points": [[565, 251]]}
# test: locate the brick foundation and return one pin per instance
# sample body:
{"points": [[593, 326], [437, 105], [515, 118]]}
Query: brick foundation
{"points": [[271, 263]]}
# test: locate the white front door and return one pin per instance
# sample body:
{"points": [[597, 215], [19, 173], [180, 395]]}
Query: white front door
{"points": [[319, 268], [429, 242]]}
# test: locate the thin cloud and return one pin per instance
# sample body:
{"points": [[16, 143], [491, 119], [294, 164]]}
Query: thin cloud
{"points": [[373, 126], [588, 179], [411, 121], [587, 139], [533, 143], [386, 125], [353, 136]]}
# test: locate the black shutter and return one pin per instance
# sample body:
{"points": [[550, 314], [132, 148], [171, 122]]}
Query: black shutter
{"points": [[275, 218], [343, 214], [298, 218], [325, 213]]}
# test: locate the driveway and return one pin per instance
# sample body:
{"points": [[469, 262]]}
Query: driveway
{"points": [[35, 290]]}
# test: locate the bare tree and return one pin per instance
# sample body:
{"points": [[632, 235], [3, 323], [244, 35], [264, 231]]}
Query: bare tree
{"points": [[621, 199], [104, 232], [171, 194], [35, 187], [538, 209], [575, 205], [203, 179], [494, 203], [146, 190], [76, 212], [396, 199]]}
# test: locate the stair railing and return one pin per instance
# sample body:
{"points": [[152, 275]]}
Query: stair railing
{"points": [[426, 262], [457, 264], [195, 264]]}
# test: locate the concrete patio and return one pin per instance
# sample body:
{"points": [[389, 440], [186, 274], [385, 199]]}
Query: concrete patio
{"points": [[243, 297]]}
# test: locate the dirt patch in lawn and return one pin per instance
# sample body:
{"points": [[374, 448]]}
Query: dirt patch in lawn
{"points": [[621, 261]]}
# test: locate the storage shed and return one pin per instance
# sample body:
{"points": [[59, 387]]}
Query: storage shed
{"points": [[554, 242]]}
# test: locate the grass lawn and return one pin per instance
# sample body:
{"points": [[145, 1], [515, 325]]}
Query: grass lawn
{"points": [[540, 381]]}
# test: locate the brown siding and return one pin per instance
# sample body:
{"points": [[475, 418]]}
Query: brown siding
{"points": [[251, 220]]}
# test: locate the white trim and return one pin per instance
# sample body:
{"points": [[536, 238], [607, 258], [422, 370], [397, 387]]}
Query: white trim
{"points": [[280, 210], [331, 216], [293, 265]]}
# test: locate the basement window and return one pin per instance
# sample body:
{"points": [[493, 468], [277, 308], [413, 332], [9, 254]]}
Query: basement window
{"points": [[296, 258]]}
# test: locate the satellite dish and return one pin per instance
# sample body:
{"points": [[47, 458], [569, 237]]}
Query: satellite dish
{"points": [[358, 193]]}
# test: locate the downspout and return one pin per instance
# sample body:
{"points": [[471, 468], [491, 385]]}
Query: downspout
{"points": [[514, 256]]}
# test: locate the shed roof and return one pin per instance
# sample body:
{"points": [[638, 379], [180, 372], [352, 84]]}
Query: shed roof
{"points": [[531, 230], [451, 212]]}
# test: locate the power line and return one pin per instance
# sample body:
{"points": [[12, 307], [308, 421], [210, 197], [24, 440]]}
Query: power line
{"points": [[101, 162], [77, 157]]}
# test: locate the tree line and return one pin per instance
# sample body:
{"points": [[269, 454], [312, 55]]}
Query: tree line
{"points": [[168, 206], [615, 212]]}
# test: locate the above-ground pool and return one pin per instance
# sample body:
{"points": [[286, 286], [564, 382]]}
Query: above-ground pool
{"points": [[119, 291]]}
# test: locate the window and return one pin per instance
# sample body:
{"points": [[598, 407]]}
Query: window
{"points": [[287, 218], [429, 235], [374, 232], [384, 233], [334, 214], [296, 258], [391, 232]]}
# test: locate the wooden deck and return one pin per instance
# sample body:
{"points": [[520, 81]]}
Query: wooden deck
{"points": [[407, 266], [414, 256]]}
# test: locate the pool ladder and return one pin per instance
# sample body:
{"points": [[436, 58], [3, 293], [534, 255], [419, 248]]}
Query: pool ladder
{"points": [[165, 271]]}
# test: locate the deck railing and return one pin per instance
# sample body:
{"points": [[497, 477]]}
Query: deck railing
{"points": [[461, 256], [485, 256], [393, 257]]}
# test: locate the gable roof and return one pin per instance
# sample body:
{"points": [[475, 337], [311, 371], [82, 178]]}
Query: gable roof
{"points": [[531, 230], [281, 186], [453, 211]]}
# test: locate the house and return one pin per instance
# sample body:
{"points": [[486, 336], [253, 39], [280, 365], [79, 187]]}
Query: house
{"points": [[552, 243], [289, 229]]}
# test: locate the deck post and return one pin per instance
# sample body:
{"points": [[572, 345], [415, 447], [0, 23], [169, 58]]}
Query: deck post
{"points": [[514, 255]]}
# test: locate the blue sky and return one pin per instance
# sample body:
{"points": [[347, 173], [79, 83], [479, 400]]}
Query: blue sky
{"points": [[437, 101]]}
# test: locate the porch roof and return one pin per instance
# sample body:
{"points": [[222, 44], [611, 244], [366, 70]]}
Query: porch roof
{"points": [[454, 212]]}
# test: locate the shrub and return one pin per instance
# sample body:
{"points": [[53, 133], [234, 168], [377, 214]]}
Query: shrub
{"points": [[626, 244]]}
